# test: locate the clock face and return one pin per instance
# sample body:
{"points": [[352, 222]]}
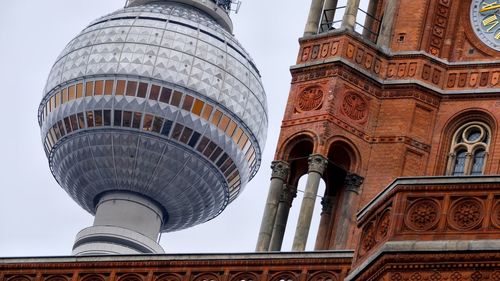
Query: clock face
{"points": [[485, 19]]}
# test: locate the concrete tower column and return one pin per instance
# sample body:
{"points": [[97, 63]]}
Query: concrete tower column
{"points": [[348, 208], [287, 195], [317, 165], [280, 170], [125, 223], [351, 11], [324, 223], [385, 34], [314, 17]]}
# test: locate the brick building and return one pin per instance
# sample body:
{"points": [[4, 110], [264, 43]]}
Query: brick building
{"points": [[398, 115]]}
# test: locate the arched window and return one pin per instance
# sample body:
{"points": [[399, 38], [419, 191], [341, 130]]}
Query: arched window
{"points": [[469, 149]]}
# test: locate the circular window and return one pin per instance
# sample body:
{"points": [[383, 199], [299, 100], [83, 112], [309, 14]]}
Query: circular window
{"points": [[473, 134]]}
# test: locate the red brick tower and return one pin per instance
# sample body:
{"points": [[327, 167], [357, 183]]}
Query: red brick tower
{"points": [[410, 91]]}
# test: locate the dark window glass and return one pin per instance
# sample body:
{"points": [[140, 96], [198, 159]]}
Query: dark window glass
{"points": [[127, 118], [131, 88], [216, 154], [108, 87], [155, 92], [107, 117], [243, 141], [230, 129], [177, 131], [229, 170], [118, 118], [176, 98], [81, 120], [120, 87], [99, 88], [210, 149], [459, 163], [61, 128], [90, 119], [232, 176], [165, 95], [137, 120], [222, 159], [148, 122], [58, 100], [194, 139], [186, 135], [203, 144], [207, 110], [98, 118], [226, 165], [188, 103], [216, 118], [477, 165], [57, 131], [166, 128], [143, 90], [74, 122], [158, 122], [67, 123], [89, 89]]}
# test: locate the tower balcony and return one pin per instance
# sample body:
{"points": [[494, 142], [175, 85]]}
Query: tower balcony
{"points": [[441, 222]]}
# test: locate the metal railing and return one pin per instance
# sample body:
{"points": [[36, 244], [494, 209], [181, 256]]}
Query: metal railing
{"points": [[370, 29]]}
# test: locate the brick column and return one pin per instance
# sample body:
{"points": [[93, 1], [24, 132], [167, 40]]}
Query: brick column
{"points": [[280, 170], [348, 210], [317, 165], [287, 196]]}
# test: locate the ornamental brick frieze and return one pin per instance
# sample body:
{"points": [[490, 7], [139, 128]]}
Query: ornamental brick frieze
{"points": [[405, 68], [415, 266], [459, 210], [309, 99], [355, 107]]}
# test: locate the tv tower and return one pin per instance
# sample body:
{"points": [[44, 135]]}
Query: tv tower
{"points": [[153, 119]]}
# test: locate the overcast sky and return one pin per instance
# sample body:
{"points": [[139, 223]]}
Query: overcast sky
{"points": [[37, 218]]}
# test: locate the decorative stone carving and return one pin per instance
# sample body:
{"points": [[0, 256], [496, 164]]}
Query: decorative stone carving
{"points": [[422, 215], [396, 276], [19, 278], [327, 204], [317, 163], [280, 169], [383, 225], [310, 99], [324, 276], [466, 214], [56, 278], [456, 276], [495, 215], [94, 277], [169, 277], [354, 107], [353, 182], [246, 276], [130, 277], [368, 240], [284, 276], [288, 193], [206, 277]]}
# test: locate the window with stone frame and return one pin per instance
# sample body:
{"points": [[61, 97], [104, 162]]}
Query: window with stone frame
{"points": [[469, 149]]}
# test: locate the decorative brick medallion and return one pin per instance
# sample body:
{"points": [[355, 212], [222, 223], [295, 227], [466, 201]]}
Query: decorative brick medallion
{"points": [[466, 214], [422, 215], [310, 99], [354, 107], [495, 216], [383, 225]]}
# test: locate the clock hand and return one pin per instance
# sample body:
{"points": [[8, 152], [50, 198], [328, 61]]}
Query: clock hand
{"points": [[489, 7]]}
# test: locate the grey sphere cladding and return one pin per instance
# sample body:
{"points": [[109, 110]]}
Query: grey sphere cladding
{"points": [[156, 101]]}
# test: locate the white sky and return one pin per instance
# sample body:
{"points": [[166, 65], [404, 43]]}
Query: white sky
{"points": [[37, 218]]}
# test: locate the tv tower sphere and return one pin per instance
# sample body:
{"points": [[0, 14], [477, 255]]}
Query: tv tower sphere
{"points": [[153, 119]]}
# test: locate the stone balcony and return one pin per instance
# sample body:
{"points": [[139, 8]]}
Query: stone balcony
{"points": [[430, 228]]}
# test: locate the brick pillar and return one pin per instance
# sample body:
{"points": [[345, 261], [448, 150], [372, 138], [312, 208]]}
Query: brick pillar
{"points": [[348, 209], [280, 170], [317, 165]]}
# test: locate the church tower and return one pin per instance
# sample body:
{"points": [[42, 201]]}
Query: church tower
{"points": [[384, 89]]}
